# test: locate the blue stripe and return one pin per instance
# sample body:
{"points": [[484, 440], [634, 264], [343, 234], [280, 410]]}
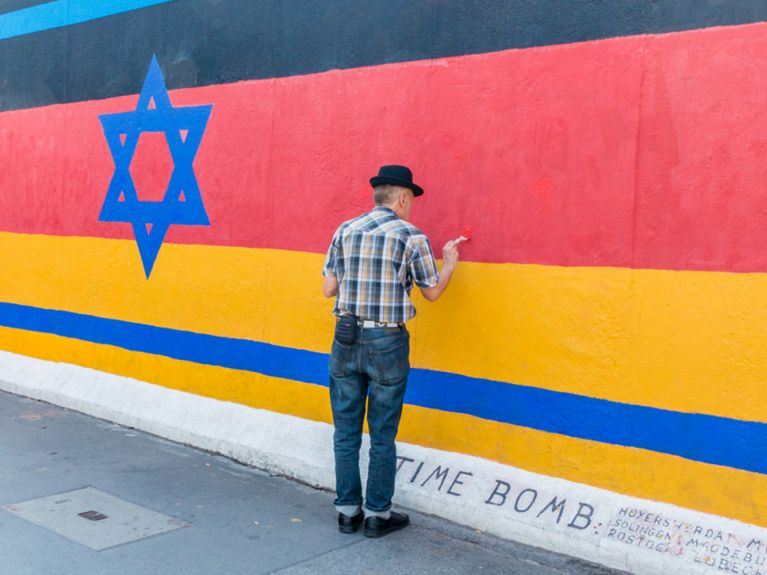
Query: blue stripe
{"points": [[64, 13], [709, 439]]}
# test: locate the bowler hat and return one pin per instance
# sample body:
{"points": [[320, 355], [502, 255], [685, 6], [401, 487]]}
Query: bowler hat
{"points": [[396, 176]]}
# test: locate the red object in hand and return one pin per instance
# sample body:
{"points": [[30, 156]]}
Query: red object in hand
{"points": [[466, 232]]}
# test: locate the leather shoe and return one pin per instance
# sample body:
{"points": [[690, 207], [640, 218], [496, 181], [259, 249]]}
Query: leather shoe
{"points": [[378, 526], [348, 524]]}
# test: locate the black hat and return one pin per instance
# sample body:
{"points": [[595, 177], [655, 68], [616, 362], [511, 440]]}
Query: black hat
{"points": [[396, 176]]}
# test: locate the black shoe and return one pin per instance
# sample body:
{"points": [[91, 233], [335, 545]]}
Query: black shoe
{"points": [[348, 524], [378, 527]]}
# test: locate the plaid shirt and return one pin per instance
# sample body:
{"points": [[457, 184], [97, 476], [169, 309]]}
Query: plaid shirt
{"points": [[377, 257]]}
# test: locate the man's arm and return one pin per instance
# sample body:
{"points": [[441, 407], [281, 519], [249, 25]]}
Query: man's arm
{"points": [[329, 286], [329, 271], [449, 263]]}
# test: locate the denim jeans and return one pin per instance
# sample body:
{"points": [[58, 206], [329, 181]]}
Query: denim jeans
{"points": [[375, 368]]}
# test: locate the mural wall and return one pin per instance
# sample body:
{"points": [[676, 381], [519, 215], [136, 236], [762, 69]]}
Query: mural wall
{"points": [[173, 171]]}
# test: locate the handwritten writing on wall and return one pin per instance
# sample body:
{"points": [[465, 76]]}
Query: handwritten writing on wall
{"points": [[646, 531], [528, 501], [701, 544]]}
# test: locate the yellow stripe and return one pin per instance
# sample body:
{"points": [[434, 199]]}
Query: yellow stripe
{"points": [[708, 488], [685, 341]]}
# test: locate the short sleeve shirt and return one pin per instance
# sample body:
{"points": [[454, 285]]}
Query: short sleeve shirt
{"points": [[377, 258]]}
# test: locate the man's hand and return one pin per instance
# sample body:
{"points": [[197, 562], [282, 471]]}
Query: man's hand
{"points": [[450, 253], [449, 263]]}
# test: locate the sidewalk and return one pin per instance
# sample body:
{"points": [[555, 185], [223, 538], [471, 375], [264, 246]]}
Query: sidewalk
{"points": [[217, 516]]}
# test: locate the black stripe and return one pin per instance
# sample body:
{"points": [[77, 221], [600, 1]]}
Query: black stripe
{"points": [[13, 5], [202, 42]]}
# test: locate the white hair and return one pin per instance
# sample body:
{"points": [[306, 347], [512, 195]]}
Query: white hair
{"points": [[385, 194]]}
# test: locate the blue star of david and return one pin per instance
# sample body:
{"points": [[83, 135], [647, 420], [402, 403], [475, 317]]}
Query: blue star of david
{"points": [[151, 219]]}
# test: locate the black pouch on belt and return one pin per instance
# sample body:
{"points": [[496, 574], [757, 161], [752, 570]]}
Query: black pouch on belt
{"points": [[346, 329]]}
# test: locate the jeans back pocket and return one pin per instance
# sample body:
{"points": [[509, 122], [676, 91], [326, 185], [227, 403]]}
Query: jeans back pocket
{"points": [[390, 360]]}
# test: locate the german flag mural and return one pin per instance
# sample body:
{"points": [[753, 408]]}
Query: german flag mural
{"points": [[173, 171]]}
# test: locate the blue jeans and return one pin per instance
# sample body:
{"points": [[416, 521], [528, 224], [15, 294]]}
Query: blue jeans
{"points": [[375, 368]]}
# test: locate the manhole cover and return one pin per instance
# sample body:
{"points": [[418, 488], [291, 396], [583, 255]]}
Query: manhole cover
{"points": [[94, 518]]}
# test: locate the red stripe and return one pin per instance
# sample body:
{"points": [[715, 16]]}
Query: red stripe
{"points": [[643, 152]]}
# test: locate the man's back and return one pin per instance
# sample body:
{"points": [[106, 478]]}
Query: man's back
{"points": [[377, 257]]}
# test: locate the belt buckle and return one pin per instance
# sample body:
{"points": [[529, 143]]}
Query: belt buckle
{"points": [[372, 323]]}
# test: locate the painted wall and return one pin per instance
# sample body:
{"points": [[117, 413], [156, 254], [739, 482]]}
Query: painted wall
{"points": [[607, 323]]}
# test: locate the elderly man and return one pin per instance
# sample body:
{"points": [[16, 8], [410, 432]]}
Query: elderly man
{"points": [[371, 266]]}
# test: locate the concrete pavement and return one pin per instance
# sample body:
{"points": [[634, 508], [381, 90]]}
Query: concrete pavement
{"points": [[186, 511]]}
